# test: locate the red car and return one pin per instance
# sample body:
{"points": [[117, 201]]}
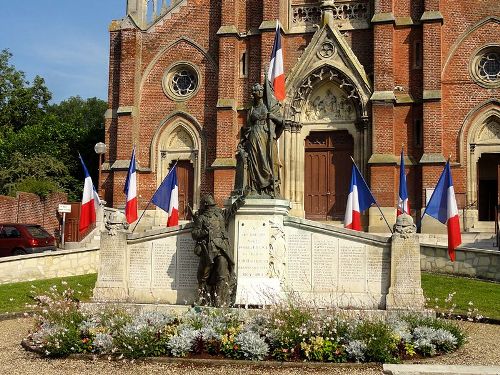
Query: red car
{"points": [[18, 239]]}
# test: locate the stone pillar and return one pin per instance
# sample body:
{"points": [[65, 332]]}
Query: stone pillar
{"points": [[258, 238], [432, 160], [287, 154], [383, 160], [111, 284], [405, 291]]}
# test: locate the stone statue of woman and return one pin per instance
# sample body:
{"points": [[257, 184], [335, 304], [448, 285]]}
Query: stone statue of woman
{"points": [[258, 148]]}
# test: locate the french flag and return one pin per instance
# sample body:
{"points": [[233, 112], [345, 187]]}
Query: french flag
{"points": [[90, 201], [276, 72], [167, 197], [360, 198], [130, 191], [403, 202], [443, 207]]}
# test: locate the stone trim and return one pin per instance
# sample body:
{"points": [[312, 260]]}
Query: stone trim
{"points": [[432, 16], [124, 164], [383, 18], [405, 21], [127, 110], [384, 96], [432, 159], [228, 30], [432, 95], [226, 104], [268, 25], [403, 98], [383, 159], [224, 163]]}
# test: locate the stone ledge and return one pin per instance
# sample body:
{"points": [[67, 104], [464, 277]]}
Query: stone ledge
{"points": [[383, 18], [268, 25], [226, 103], [227, 30], [405, 21], [432, 159], [385, 96], [383, 159], [432, 95], [404, 98], [440, 370], [224, 163], [124, 164], [432, 15]]}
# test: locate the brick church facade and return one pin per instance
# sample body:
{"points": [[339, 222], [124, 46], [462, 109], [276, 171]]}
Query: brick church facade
{"points": [[364, 78]]}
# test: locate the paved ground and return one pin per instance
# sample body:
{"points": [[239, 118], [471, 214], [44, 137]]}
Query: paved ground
{"points": [[482, 349]]}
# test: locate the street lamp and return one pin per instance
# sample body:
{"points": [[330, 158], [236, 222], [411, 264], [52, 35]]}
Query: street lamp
{"points": [[100, 149]]}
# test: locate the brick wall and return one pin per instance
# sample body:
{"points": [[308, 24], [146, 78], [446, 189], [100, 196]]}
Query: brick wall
{"points": [[30, 208]]}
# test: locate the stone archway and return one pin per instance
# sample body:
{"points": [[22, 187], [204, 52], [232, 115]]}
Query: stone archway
{"points": [[180, 142], [483, 149], [326, 102]]}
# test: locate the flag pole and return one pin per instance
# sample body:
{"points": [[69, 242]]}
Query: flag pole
{"points": [[143, 212], [376, 203], [425, 210]]}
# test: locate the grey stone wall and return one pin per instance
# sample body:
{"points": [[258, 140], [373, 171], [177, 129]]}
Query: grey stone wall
{"points": [[478, 263]]}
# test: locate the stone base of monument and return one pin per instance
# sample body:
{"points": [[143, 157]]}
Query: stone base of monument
{"points": [[405, 291], [258, 240]]}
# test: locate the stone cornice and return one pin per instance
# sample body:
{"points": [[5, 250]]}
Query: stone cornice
{"points": [[383, 18], [432, 16]]}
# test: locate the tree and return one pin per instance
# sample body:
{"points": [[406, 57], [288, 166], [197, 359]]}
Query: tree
{"points": [[39, 142], [20, 103]]}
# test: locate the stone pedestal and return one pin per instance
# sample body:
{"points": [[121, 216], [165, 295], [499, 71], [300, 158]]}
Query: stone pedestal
{"points": [[405, 291], [258, 239], [111, 282]]}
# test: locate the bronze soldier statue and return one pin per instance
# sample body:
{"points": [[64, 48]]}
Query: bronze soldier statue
{"points": [[216, 278]]}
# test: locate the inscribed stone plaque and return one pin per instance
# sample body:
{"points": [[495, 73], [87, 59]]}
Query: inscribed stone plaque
{"points": [[112, 254], [187, 262], [324, 262], [164, 263], [352, 266], [140, 265], [378, 269], [253, 248], [406, 265], [299, 260]]}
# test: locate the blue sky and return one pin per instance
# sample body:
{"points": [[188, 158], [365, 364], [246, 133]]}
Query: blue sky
{"points": [[64, 41]]}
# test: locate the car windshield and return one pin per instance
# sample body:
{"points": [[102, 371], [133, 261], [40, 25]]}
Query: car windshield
{"points": [[37, 232]]}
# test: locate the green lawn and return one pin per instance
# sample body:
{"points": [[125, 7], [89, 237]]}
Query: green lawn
{"points": [[484, 295], [14, 297]]}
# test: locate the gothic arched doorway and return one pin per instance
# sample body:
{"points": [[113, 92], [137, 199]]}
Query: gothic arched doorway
{"points": [[326, 174]]}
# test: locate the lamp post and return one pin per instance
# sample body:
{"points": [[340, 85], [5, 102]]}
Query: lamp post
{"points": [[100, 149]]}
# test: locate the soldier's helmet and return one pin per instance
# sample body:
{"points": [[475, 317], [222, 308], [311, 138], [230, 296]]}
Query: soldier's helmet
{"points": [[207, 200]]}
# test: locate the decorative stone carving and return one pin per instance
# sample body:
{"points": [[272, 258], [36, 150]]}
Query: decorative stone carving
{"points": [[344, 13], [329, 105], [404, 226], [114, 221], [327, 50], [277, 251], [490, 132], [180, 139]]}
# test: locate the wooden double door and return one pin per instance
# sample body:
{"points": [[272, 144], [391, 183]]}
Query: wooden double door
{"points": [[327, 173], [185, 183]]}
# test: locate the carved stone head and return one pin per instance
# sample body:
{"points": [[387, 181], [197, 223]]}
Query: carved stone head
{"points": [[404, 225], [207, 200]]}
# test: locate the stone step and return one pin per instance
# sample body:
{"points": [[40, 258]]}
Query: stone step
{"points": [[440, 370]]}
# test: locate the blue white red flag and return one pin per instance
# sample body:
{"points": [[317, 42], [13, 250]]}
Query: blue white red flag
{"points": [[130, 191], [167, 197], [443, 207], [403, 202], [90, 201], [276, 72], [360, 198]]}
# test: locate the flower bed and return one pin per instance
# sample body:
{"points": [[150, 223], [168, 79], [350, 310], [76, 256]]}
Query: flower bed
{"points": [[287, 332]]}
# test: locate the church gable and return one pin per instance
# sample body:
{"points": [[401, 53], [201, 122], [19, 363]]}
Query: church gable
{"points": [[328, 56]]}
